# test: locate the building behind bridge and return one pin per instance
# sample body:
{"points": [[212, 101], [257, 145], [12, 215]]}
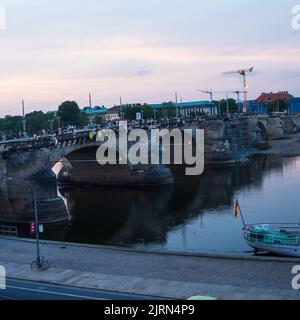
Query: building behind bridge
{"points": [[96, 112], [294, 106], [180, 109], [189, 108], [263, 103], [113, 113]]}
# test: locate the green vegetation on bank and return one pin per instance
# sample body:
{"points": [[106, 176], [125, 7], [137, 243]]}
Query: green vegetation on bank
{"points": [[68, 113], [222, 105], [168, 110], [279, 106]]}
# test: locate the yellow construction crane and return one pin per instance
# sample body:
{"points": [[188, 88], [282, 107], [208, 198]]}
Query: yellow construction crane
{"points": [[243, 74]]}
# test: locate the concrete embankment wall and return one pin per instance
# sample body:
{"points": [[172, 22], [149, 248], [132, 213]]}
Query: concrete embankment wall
{"points": [[4, 202]]}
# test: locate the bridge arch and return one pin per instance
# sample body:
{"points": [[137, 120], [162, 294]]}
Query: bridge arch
{"points": [[263, 129]]}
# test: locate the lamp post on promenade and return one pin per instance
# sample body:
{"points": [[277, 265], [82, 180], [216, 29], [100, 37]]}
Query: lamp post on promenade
{"points": [[39, 262]]}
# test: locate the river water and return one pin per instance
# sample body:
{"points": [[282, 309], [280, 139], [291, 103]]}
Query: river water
{"points": [[196, 214]]}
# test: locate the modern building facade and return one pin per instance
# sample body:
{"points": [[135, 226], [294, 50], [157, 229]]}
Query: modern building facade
{"points": [[113, 114], [190, 108], [294, 106], [256, 107], [96, 111]]}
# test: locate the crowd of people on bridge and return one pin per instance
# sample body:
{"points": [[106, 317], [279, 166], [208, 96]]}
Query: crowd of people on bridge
{"points": [[113, 125]]}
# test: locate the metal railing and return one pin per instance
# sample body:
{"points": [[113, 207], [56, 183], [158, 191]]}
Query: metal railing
{"points": [[273, 234]]}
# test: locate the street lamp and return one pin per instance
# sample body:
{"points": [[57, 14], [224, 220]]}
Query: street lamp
{"points": [[39, 262], [58, 122], [51, 125]]}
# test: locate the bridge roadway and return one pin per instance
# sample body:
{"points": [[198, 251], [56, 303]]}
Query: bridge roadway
{"points": [[84, 135], [225, 140], [270, 127]]}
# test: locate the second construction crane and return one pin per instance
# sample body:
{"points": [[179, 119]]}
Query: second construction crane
{"points": [[243, 74]]}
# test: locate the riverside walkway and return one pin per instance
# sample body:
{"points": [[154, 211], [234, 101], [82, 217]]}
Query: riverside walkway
{"points": [[176, 276]]}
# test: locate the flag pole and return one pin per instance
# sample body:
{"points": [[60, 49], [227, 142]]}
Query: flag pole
{"points": [[241, 213]]}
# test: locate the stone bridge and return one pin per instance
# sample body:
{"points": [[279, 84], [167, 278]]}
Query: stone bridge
{"points": [[273, 128], [32, 157]]}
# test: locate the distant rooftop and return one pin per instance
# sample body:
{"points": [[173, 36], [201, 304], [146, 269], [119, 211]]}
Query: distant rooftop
{"points": [[95, 110], [192, 104], [273, 97]]}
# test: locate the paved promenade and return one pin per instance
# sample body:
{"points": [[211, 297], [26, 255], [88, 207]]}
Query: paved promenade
{"points": [[156, 274]]}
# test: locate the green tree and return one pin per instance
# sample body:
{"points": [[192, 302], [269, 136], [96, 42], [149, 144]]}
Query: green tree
{"points": [[169, 109], [11, 124], [233, 106], [159, 114], [277, 106], [131, 111], [37, 121], [70, 114], [147, 111]]}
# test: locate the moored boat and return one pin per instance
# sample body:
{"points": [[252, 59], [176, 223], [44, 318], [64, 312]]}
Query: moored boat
{"points": [[280, 239]]}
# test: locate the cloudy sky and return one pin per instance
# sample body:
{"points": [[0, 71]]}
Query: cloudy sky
{"points": [[142, 50]]}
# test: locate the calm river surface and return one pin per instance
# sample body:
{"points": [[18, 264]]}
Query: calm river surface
{"points": [[195, 214]]}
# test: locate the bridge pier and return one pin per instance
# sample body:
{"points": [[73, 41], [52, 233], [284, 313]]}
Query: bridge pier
{"points": [[81, 167], [16, 200]]}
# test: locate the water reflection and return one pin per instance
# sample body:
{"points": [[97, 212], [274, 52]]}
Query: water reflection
{"points": [[112, 215], [195, 214], [16, 205]]}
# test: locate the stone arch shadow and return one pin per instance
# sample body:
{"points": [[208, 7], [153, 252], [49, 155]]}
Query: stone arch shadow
{"points": [[263, 129]]}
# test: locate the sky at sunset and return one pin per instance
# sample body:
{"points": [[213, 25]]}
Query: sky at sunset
{"points": [[144, 51]]}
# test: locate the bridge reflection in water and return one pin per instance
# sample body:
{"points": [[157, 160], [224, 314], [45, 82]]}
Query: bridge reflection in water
{"points": [[194, 214]]}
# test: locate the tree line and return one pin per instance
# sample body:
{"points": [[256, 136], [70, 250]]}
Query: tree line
{"points": [[68, 113]]}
